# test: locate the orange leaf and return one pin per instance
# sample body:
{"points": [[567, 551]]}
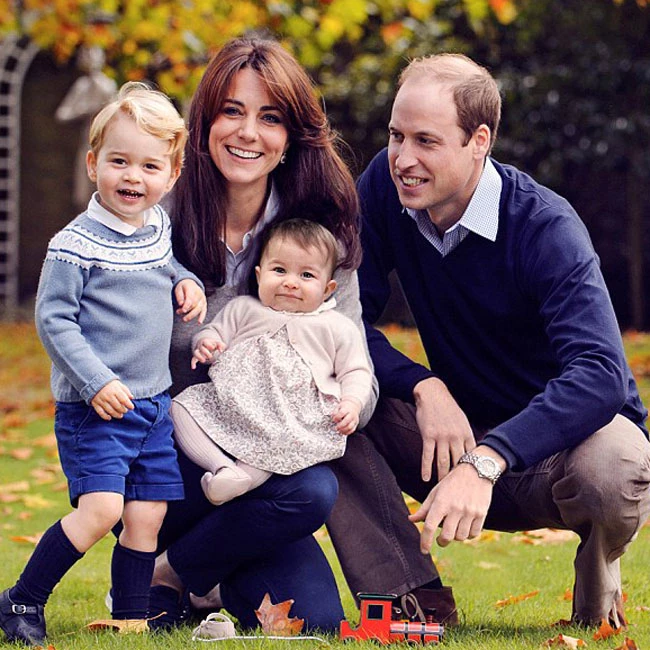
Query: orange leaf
{"points": [[22, 453], [275, 620], [564, 641], [512, 600], [125, 626], [605, 631], [628, 644], [27, 539], [568, 594]]}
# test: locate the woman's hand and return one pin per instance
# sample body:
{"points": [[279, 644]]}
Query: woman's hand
{"points": [[191, 300], [113, 400], [204, 352]]}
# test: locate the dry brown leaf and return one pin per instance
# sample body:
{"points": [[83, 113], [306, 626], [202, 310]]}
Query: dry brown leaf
{"points": [[48, 440], [605, 631], [513, 600], [642, 608], [27, 539], [21, 453], [40, 647], [14, 421], [564, 641], [545, 536], [485, 536], [488, 566], [35, 501], [628, 644], [568, 594], [17, 486], [126, 626], [9, 498], [275, 620]]}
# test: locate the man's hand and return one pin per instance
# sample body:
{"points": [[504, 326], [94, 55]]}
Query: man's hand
{"points": [[445, 430], [204, 351], [113, 400], [346, 416], [191, 300], [459, 503]]}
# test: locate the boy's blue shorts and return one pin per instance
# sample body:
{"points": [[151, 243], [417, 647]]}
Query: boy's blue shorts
{"points": [[133, 456]]}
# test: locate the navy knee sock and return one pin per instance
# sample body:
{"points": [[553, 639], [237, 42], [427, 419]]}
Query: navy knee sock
{"points": [[131, 573], [52, 558]]}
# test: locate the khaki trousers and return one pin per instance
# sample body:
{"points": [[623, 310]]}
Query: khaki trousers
{"points": [[599, 489]]}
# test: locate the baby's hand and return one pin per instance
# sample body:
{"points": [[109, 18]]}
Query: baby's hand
{"points": [[346, 416], [204, 353], [191, 300], [113, 400]]}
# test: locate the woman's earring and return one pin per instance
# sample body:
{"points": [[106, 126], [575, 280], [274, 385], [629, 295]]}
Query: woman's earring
{"points": [[283, 158]]}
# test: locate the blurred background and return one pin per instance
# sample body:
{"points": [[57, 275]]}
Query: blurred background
{"points": [[574, 74]]}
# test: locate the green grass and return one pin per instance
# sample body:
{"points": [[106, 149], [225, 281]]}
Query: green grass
{"points": [[481, 573]]}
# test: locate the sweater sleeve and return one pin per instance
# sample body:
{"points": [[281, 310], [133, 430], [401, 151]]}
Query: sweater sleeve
{"points": [[396, 373], [560, 273], [58, 302], [348, 304], [351, 364]]}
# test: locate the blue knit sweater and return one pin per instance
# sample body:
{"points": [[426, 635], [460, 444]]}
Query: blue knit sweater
{"points": [[104, 307], [521, 330]]}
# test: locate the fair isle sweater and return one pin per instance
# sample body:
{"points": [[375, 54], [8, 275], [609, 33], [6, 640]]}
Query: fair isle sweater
{"points": [[104, 307]]}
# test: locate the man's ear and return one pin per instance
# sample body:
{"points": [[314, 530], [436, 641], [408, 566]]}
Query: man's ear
{"points": [[91, 166], [330, 288], [482, 140]]}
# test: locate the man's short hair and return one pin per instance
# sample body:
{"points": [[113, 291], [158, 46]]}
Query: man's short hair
{"points": [[475, 91]]}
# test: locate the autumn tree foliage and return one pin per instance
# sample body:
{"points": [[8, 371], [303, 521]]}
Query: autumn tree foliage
{"points": [[169, 41]]}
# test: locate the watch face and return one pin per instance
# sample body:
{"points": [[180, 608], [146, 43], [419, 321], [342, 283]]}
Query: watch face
{"points": [[488, 466]]}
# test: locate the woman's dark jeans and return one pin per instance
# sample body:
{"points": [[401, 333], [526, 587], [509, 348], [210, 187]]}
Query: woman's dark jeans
{"points": [[258, 543]]}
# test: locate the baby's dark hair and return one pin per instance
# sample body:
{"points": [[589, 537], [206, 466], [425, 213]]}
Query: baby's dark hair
{"points": [[306, 234]]}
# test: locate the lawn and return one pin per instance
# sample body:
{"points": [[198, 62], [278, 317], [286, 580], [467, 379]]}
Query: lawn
{"points": [[532, 576]]}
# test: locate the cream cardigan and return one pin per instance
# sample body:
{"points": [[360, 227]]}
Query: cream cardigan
{"points": [[326, 340]]}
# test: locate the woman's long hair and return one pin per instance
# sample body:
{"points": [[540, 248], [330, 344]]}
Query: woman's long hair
{"points": [[314, 179]]}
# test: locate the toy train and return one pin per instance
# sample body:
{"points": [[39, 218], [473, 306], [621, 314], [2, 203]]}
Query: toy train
{"points": [[376, 623]]}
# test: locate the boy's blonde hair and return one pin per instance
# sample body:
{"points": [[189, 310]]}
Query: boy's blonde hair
{"points": [[151, 110]]}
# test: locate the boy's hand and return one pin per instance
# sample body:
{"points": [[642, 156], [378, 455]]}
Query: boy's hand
{"points": [[191, 300], [346, 416], [204, 353], [113, 400]]}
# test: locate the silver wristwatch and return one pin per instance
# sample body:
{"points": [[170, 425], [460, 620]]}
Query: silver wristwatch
{"points": [[485, 466]]}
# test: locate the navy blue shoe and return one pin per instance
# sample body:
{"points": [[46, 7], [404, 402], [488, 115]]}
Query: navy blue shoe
{"points": [[24, 623], [167, 608]]}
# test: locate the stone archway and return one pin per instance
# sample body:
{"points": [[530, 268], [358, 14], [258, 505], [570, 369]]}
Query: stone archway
{"points": [[16, 55]]}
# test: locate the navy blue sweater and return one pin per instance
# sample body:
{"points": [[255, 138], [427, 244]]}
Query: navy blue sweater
{"points": [[521, 330]]}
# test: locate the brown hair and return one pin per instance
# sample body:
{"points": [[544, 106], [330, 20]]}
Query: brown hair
{"points": [[313, 179], [151, 110], [307, 234], [475, 91]]}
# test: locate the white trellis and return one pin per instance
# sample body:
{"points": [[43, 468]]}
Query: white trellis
{"points": [[16, 54]]}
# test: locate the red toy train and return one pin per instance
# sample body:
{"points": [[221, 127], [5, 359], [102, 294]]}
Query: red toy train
{"points": [[377, 623]]}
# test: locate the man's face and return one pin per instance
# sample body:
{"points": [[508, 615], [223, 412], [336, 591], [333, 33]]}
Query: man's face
{"points": [[430, 164]]}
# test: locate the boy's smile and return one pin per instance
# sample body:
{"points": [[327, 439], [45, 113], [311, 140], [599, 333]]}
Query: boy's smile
{"points": [[132, 170]]}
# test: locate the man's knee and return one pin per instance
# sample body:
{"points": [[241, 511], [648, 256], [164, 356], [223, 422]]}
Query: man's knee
{"points": [[608, 475]]}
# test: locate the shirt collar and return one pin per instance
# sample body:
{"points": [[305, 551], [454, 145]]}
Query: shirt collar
{"points": [[99, 213], [482, 213]]}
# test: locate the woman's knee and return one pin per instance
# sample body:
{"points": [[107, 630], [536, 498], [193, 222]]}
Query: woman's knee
{"points": [[317, 487]]}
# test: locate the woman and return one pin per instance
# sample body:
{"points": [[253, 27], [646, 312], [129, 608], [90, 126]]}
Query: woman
{"points": [[259, 146]]}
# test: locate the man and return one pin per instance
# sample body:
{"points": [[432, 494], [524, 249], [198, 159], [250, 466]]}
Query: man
{"points": [[529, 416]]}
